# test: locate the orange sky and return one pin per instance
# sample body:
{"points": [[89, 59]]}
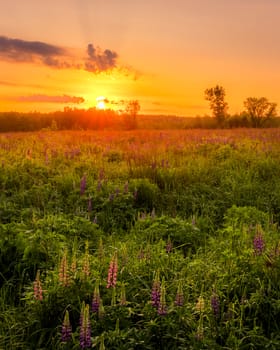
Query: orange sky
{"points": [[162, 53]]}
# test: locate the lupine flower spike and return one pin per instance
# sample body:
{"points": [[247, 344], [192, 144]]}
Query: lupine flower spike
{"points": [[85, 330], [155, 295], [112, 272], [162, 308], [96, 298], [123, 295], [215, 304], [258, 242], [37, 287], [200, 304], [179, 299], [86, 268], [63, 271], [66, 331]]}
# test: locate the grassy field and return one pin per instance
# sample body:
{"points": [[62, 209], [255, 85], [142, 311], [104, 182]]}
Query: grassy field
{"points": [[140, 239]]}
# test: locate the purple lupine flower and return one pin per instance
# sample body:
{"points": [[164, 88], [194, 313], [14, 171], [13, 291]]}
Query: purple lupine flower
{"points": [[215, 304], [117, 191], [155, 295], [111, 197], [258, 243], [83, 185], [66, 331], [179, 299], [162, 308], [95, 220], [96, 299], [85, 329]]}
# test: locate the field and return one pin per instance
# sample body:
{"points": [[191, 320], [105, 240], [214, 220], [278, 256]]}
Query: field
{"points": [[140, 239]]}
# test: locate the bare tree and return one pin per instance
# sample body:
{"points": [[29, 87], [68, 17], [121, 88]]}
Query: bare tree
{"points": [[259, 110], [216, 97]]}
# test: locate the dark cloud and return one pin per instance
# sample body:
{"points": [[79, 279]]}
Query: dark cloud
{"points": [[100, 61], [96, 61], [29, 51], [51, 99]]}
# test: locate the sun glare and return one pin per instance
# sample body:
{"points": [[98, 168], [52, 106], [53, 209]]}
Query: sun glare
{"points": [[101, 102]]}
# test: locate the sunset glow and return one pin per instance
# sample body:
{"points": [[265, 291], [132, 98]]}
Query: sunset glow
{"points": [[163, 55]]}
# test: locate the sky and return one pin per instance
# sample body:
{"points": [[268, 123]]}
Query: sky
{"points": [[165, 54]]}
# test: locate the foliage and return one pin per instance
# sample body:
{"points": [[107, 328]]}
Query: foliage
{"points": [[259, 110], [140, 240], [216, 97]]}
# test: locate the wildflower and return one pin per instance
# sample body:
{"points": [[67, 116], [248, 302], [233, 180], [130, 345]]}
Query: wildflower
{"points": [[179, 299], [37, 287], [85, 330], [200, 304], [94, 219], [63, 270], [86, 267], [117, 191], [162, 309], [155, 295], [123, 295], [83, 185], [66, 331], [101, 310], [215, 304], [96, 298], [111, 197], [258, 243], [112, 272]]}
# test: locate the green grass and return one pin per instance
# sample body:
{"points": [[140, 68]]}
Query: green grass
{"points": [[185, 206]]}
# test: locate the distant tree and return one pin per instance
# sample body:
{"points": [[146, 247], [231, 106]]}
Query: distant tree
{"points": [[216, 97], [131, 111], [259, 110]]}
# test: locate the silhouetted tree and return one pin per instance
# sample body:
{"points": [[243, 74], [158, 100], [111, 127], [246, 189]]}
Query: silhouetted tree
{"points": [[131, 111], [216, 97], [259, 110]]}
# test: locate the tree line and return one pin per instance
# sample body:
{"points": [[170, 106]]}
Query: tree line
{"points": [[258, 112]]}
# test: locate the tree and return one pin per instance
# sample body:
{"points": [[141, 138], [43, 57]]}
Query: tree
{"points": [[259, 110], [131, 111], [216, 97]]}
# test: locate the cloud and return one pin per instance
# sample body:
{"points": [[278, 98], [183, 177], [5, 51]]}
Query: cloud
{"points": [[100, 61], [51, 99], [97, 60], [29, 51]]}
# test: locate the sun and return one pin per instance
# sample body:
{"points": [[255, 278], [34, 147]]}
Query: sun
{"points": [[101, 102]]}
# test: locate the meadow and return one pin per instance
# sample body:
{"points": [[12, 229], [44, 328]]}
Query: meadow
{"points": [[142, 239]]}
